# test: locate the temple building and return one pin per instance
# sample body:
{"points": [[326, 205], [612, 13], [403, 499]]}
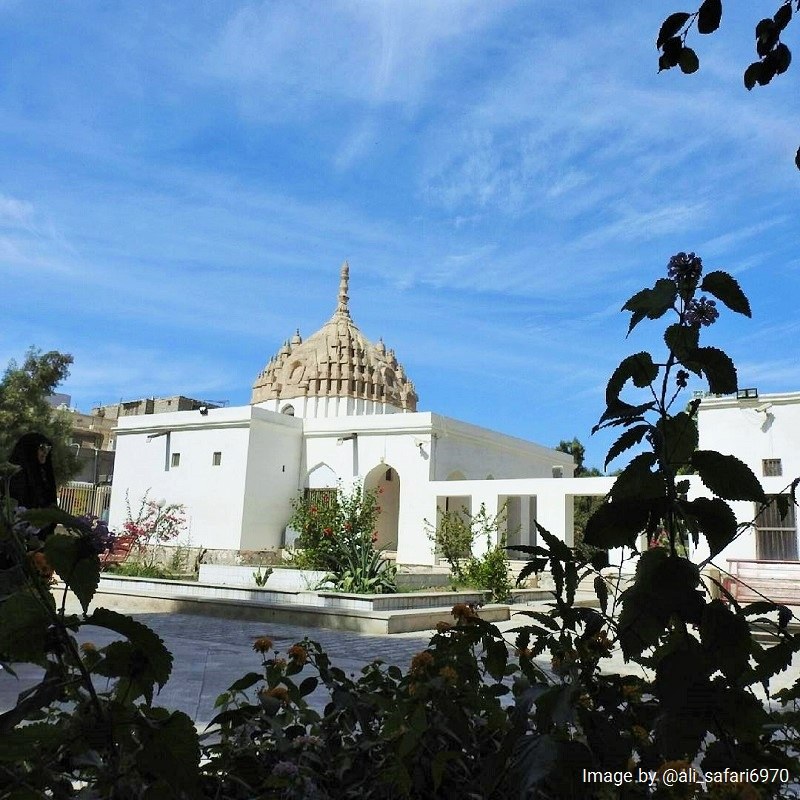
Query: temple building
{"points": [[332, 409]]}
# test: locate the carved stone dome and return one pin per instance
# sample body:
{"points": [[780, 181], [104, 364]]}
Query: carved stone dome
{"points": [[337, 361]]}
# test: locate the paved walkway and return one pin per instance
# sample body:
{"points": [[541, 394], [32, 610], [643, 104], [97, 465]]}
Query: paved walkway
{"points": [[210, 653]]}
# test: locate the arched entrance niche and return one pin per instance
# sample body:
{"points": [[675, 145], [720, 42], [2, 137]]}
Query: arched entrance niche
{"points": [[320, 476], [386, 482]]}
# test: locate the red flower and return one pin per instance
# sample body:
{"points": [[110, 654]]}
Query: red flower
{"points": [[374, 536], [348, 526], [327, 532], [312, 510]]}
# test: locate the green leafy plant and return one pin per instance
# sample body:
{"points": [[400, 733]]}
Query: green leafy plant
{"points": [[338, 534], [137, 569], [261, 575], [454, 537], [699, 702], [89, 721], [438, 730]]}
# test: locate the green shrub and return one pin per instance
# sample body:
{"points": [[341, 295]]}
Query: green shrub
{"points": [[454, 537], [338, 535], [136, 569], [490, 572]]}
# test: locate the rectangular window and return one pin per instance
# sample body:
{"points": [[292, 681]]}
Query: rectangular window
{"points": [[776, 538], [176, 460], [216, 458], [771, 467], [323, 498]]}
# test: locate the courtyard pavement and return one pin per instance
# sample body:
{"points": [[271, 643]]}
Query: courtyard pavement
{"points": [[211, 652]]}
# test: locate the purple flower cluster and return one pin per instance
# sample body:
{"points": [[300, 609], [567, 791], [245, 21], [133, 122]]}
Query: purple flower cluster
{"points": [[685, 268], [701, 312], [285, 769], [23, 529], [100, 536], [682, 378]]}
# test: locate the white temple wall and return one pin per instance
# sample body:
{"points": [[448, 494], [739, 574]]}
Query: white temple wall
{"points": [[212, 494], [480, 454], [766, 427], [273, 471]]}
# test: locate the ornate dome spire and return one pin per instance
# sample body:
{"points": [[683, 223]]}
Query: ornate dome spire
{"points": [[344, 280], [337, 361]]}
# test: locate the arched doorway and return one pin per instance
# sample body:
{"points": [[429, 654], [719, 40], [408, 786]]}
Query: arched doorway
{"points": [[386, 482], [321, 476]]}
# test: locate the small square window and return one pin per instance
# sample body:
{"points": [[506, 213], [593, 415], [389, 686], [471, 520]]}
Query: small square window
{"points": [[216, 458], [771, 468], [176, 460]]}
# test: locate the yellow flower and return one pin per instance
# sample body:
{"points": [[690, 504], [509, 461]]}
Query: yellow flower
{"points": [[441, 627], [262, 644], [278, 692], [298, 653], [449, 674], [631, 692], [734, 791], [640, 733], [463, 613], [421, 662], [41, 565]]}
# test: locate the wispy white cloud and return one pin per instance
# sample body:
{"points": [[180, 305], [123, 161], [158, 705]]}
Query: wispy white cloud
{"points": [[14, 211], [286, 57], [501, 179]]}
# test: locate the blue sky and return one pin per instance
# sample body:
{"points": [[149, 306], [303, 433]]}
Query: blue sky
{"points": [[180, 182]]}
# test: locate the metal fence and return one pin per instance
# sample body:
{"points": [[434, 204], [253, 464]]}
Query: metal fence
{"points": [[84, 498]]}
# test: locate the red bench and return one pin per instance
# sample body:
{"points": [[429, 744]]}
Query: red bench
{"points": [[119, 552], [777, 580]]}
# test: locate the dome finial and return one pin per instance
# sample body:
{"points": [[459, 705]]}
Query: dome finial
{"points": [[343, 296]]}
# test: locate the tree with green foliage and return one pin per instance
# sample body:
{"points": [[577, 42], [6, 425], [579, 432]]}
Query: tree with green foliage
{"points": [[578, 452], [774, 55], [23, 407]]}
